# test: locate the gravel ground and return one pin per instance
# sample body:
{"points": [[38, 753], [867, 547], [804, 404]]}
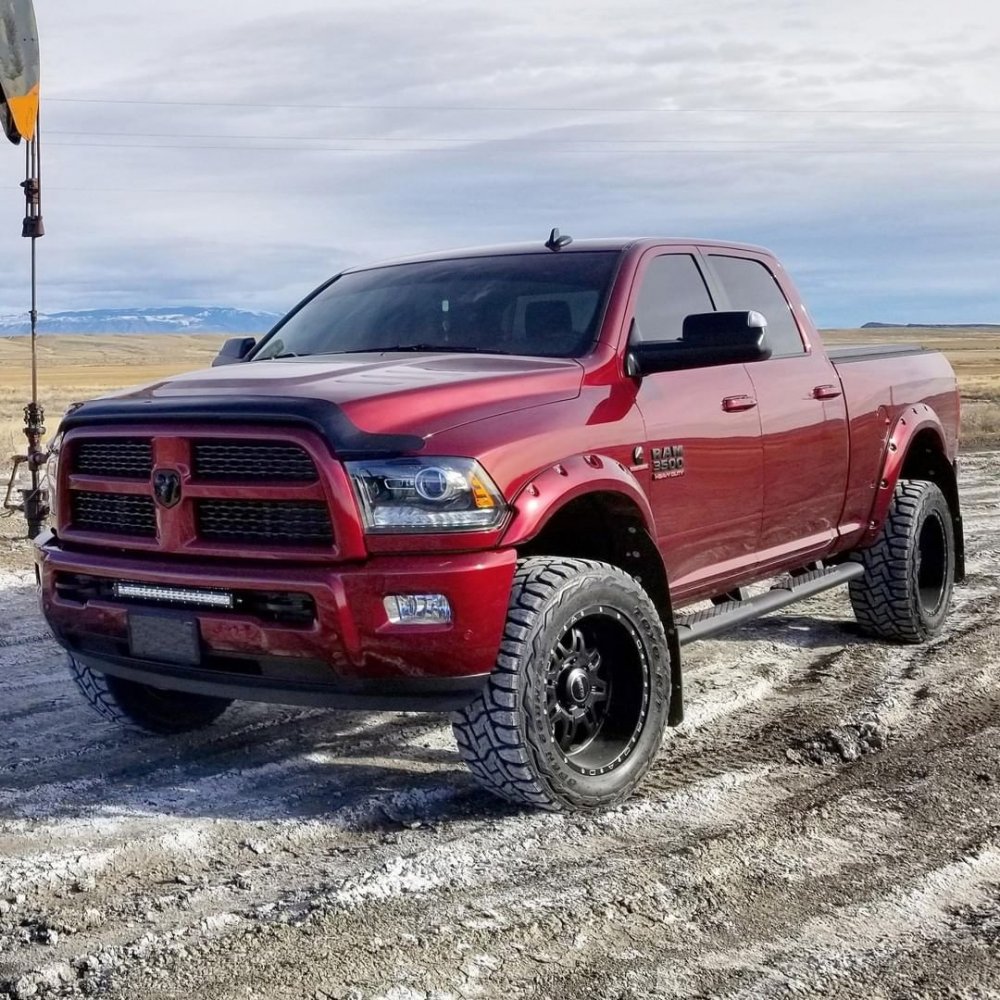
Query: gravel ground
{"points": [[825, 824]]}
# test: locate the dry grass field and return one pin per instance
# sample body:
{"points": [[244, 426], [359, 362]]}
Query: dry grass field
{"points": [[79, 367]]}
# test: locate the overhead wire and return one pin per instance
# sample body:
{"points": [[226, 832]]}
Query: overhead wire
{"points": [[465, 144], [506, 140], [755, 148], [618, 109], [656, 146]]}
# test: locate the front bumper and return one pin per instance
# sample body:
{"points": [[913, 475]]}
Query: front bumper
{"points": [[349, 656]]}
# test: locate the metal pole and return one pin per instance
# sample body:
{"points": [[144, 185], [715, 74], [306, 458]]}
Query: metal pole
{"points": [[32, 505], [39, 230], [34, 324], [34, 500]]}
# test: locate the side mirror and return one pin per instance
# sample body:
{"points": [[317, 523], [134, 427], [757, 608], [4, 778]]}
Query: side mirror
{"points": [[234, 350], [707, 340]]}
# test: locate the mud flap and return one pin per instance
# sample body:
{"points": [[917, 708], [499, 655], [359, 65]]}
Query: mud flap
{"points": [[676, 714]]}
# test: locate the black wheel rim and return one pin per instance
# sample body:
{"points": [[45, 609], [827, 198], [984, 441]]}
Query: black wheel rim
{"points": [[932, 563], [597, 690]]}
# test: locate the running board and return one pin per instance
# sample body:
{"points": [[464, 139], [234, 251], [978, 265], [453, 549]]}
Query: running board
{"points": [[708, 623]]}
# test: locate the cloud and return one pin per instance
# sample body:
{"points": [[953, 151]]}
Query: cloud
{"points": [[861, 141]]}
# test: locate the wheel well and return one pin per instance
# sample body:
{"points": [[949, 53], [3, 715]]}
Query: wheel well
{"points": [[925, 460], [608, 527]]}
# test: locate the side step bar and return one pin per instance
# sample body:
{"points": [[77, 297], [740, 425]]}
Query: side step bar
{"points": [[708, 623]]}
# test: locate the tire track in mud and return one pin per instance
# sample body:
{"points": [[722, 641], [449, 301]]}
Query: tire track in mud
{"points": [[807, 928], [294, 851], [683, 883], [11, 642]]}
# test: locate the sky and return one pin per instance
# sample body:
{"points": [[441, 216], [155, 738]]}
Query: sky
{"points": [[239, 154]]}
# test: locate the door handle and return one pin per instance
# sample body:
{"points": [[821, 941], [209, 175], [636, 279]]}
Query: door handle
{"points": [[736, 404], [827, 392]]}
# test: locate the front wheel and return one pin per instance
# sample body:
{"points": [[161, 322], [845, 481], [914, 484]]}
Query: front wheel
{"points": [[909, 571], [145, 707], [575, 708]]}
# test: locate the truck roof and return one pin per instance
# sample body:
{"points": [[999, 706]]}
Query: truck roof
{"points": [[637, 243]]}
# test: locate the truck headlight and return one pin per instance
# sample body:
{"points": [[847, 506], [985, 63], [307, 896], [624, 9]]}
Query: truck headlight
{"points": [[425, 494]]}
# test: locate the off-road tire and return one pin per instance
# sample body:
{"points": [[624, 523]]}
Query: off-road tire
{"points": [[909, 572], [506, 736], [143, 707]]}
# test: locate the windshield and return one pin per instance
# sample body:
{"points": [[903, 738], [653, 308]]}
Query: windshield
{"points": [[543, 305]]}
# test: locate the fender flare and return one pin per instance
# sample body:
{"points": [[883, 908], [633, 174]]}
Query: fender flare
{"points": [[914, 420], [540, 499]]}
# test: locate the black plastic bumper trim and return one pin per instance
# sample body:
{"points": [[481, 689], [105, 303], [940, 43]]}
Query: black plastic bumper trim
{"points": [[408, 694]]}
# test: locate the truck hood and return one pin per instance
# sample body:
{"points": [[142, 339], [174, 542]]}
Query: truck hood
{"points": [[387, 393]]}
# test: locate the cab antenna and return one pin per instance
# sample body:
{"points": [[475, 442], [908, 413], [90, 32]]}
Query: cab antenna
{"points": [[556, 241]]}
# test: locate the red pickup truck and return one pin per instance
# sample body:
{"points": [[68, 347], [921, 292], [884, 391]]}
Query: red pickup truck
{"points": [[489, 481]]}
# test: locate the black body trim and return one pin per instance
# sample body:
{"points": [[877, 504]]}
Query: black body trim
{"points": [[959, 528], [722, 617], [409, 694], [874, 352], [326, 418]]}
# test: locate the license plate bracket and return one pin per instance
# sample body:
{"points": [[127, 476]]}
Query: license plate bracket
{"points": [[166, 637]]}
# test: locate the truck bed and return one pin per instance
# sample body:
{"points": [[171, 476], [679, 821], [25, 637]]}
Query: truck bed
{"points": [[873, 352]]}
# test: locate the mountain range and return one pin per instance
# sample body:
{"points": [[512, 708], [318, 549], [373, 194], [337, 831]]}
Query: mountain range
{"points": [[931, 326], [218, 319], [169, 319]]}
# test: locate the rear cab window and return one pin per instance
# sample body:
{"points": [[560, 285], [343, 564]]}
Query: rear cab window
{"points": [[749, 284]]}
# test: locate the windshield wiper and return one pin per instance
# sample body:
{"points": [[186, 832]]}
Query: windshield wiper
{"points": [[435, 349], [397, 348]]}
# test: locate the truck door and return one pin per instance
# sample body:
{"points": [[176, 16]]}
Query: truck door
{"points": [[702, 453], [802, 412]]}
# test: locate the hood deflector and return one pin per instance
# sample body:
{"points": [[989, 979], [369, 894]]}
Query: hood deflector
{"points": [[342, 436]]}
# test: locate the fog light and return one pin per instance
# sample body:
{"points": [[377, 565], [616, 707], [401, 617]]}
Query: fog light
{"points": [[418, 609]]}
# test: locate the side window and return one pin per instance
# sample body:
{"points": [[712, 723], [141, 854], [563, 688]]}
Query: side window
{"points": [[750, 285], [672, 289]]}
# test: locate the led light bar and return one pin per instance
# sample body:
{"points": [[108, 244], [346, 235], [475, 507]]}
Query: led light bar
{"points": [[191, 596]]}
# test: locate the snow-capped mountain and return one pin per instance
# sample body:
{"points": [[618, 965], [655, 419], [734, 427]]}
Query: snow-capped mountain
{"points": [[931, 326], [171, 319]]}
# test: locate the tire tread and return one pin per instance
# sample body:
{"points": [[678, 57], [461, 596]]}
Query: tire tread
{"points": [[884, 600], [498, 751], [99, 690]]}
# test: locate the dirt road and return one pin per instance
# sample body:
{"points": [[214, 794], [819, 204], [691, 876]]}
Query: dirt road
{"points": [[826, 824]]}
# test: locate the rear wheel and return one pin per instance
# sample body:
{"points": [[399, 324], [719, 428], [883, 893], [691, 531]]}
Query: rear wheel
{"points": [[575, 709], [909, 571], [145, 707]]}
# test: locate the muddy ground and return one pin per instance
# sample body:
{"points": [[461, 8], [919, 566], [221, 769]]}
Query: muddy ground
{"points": [[826, 824]]}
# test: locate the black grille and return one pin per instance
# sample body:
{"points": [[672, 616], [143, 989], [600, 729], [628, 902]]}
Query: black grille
{"points": [[113, 513], [256, 461], [271, 522], [123, 459]]}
